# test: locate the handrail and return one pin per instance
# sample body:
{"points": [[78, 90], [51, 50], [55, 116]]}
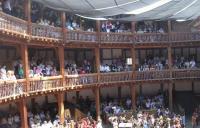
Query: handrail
{"points": [[18, 26]]}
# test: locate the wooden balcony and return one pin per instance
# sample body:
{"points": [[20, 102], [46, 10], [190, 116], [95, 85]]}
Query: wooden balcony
{"points": [[116, 77], [12, 89], [152, 75], [81, 80], [43, 84], [15, 26], [186, 73]]}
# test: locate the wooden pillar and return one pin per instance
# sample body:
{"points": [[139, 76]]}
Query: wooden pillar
{"points": [[133, 96], [169, 51], [119, 92], [63, 21], [169, 26], [28, 14], [62, 63], [97, 102], [61, 109], [23, 113], [133, 27], [97, 59], [25, 63], [77, 97], [133, 56], [98, 30], [170, 89]]}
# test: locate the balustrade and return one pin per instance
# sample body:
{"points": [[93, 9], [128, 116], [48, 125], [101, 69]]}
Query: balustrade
{"points": [[81, 36], [83, 79], [116, 77], [116, 37], [152, 75], [46, 31], [13, 24], [45, 84], [185, 36], [12, 88], [151, 37], [186, 73]]}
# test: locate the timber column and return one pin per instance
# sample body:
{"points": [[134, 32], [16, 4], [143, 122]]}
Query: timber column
{"points": [[61, 107], [97, 102], [23, 113], [62, 64], [170, 85], [97, 61], [27, 6], [63, 21], [98, 30]]}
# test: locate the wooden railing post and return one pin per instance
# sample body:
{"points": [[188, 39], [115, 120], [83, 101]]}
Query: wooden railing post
{"points": [[62, 64], [61, 109], [169, 26], [25, 63], [64, 32], [23, 113]]}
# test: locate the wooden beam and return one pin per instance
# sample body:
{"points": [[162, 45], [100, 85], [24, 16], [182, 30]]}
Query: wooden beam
{"points": [[133, 96], [97, 102], [25, 63], [170, 89], [97, 62], [61, 109], [61, 62], [63, 21], [23, 113]]}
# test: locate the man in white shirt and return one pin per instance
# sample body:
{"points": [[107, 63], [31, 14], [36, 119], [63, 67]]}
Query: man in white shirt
{"points": [[7, 6]]}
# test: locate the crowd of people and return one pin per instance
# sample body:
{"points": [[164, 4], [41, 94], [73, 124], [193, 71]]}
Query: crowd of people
{"points": [[109, 26], [40, 67], [154, 63], [195, 117], [183, 63], [149, 27]]}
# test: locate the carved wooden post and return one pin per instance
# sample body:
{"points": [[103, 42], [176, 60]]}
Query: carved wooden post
{"points": [[133, 96], [96, 92], [61, 109], [28, 15], [64, 32], [98, 30], [97, 59], [23, 113]]}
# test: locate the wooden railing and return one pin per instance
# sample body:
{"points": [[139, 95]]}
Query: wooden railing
{"points": [[10, 89], [152, 75], [83, 79], [151, 37], [46, 31], [81, 36], [116, 77], [186, 73], [185, 36], [116, 37], [13, 24], [45, 84]]}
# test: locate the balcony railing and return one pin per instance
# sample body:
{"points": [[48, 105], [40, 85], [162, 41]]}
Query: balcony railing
{"points": [[151, 37], [45, 84], [12, 88], [116, 77], [153, 75], [46, 31], [186, 73], [80, 80], [13, 24], [18, 26], [116, 37], [81, 36]]}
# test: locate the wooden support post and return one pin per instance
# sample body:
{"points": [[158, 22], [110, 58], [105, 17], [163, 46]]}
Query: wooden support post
{"points": [[28, 14], [97, 59], [133, 96], [77, 97], [98, 30], [61, 62], [133, 56], [23, 113], [170, 89], [25, 63], [133, 27], [61, 107], [97, 102], [169, 26], [169, 51], [63, 21], [119, 90]]}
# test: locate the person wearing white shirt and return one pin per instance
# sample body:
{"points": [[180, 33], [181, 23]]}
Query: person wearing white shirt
{"points": [[7, 6]]}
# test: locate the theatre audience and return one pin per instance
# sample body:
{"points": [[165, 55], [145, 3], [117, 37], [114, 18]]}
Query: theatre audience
{"points": [[150, 27], [184, 63], [109, 26], [154, 63]]}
